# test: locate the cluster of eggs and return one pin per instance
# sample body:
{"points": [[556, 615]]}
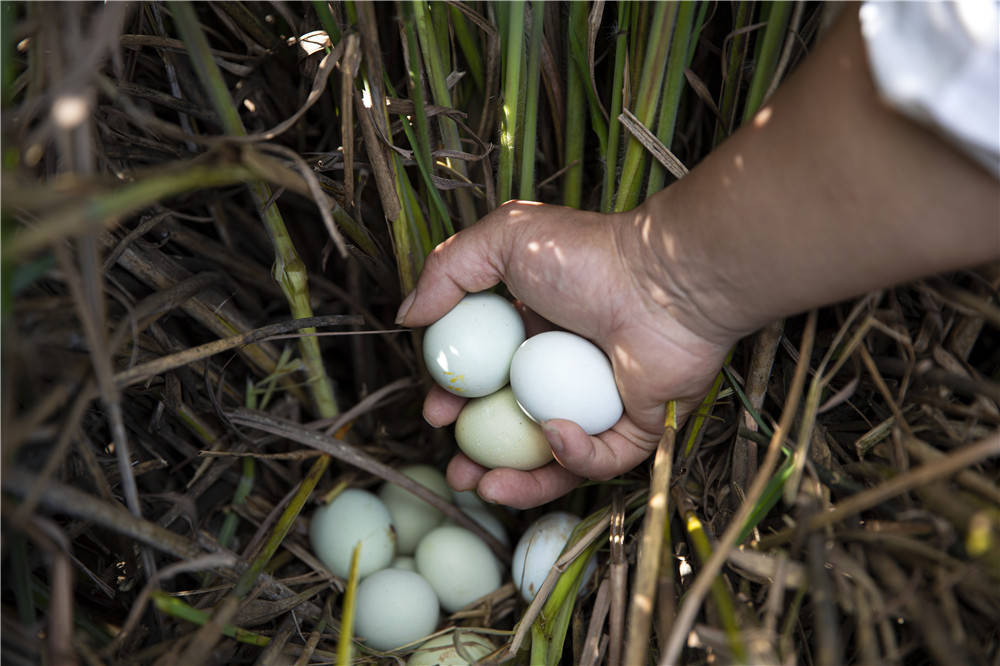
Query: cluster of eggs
{"points": [[479, 345], [412, 561]]}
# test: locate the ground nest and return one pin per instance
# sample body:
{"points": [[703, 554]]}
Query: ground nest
{"points": [[182, 181]]}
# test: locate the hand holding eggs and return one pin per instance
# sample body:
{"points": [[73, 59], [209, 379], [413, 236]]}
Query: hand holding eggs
{"points": [[479, 344]]}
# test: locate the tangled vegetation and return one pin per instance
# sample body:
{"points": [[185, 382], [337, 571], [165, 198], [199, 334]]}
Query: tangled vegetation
{"points": [[184, 183]]}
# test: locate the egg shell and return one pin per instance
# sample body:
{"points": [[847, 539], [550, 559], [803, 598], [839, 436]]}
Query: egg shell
{"points": [[440, 651], [488, 522], [468, 350], [404, 562], [412, 517], [394, 607], [458, 565], [495, 432], [353, 516], [559, 375], [467, 498], [538, 549]]}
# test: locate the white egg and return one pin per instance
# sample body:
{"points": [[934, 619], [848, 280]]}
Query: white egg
{"points": [[441, 651], [458, 565], [464, 498], [559, 375], [468, 351], [538, 550], [488, 522], [404, 562], [495, 432], [411, 516], [394, 607], [353, 516]]}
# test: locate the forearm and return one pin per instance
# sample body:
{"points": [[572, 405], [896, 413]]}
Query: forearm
{"points": [[825, 195]]}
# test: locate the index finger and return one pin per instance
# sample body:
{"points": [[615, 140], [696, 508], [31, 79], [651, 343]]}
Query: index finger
{"points": [[470, 261], [512, 487]]}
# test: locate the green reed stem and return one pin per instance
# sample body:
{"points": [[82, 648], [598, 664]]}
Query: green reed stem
{"points": [[385, 166], [326, 19], [526, 190], [243, 488], [282, 527], [176, 608], [673, 86], [720, 593], [699, 23], [412, 212], [470, 47], [289, 271], [575, 119], [420, 139], [579, 60], [734, 71], [614, 126], [354, 231], [704, 411], [548, 633], [646, 100], [441, 31], [437, 64], [347, 610], [153, 186], [769, 498], [405, 237], [767, 59], [511, 89], [638, 32]]}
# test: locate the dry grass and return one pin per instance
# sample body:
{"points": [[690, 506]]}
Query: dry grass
{"points": [[149, 507]]}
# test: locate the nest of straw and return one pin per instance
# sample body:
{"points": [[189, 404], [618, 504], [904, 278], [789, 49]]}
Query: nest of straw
{"points": [[181, 182]]}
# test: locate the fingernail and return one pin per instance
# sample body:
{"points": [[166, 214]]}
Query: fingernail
{"points": [[486, 499], [405, 306], [555, 439]]}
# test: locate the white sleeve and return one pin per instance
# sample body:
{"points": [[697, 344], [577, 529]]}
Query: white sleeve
{"points": [[939, 63]]}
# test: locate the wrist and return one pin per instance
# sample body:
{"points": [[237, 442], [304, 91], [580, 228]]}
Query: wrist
{"points": [[674, 269]]}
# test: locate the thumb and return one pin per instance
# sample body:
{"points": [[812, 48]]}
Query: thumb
{"points": [[469, 261], [598, 457]]}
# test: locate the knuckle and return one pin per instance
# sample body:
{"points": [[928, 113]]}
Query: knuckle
{"points": [[514, 208]]}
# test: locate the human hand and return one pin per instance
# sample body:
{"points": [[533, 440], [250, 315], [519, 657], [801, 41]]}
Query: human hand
{"points": [[827, 194], [584, 272]]}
